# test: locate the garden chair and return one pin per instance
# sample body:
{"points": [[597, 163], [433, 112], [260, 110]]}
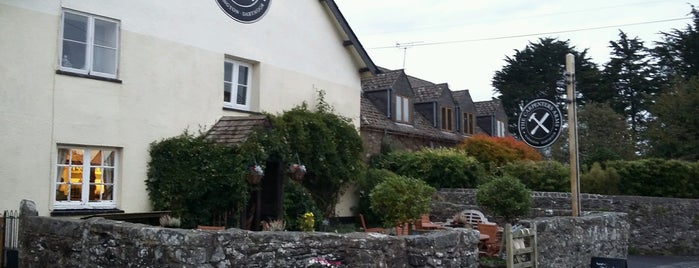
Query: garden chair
{"points": [[474, 217], [369, 230], [492, 245], [424, 223]]}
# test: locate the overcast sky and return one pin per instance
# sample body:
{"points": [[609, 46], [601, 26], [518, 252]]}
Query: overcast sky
{"points": [[463, 43]]}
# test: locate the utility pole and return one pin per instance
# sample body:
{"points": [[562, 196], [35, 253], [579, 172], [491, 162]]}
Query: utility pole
{"points": [[573, 134]]}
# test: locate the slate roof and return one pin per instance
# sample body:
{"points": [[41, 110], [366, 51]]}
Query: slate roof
{"points": [[429, 93], [233, 130], [487, 107], [462, 96], [421, 127], [382, 81]]}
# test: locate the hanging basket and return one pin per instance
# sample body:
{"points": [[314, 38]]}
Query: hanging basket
{"points": [[255, 174], [296, 172]]}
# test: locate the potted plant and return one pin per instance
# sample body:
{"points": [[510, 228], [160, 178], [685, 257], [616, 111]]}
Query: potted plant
{"points": [[296, 172]]}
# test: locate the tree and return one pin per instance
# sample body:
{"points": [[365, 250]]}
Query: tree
{"points": [[401, 199], [602, 135], [678, 53], [538, 71], [673, 131], [504, 197], [628, 75]]}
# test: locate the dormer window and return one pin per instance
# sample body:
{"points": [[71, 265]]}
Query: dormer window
{"points": [[468, 123], [402, 112], [447, 119]]}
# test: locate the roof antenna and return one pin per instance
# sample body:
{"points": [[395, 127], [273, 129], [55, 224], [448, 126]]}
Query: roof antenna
{"points": [[405, 47]]}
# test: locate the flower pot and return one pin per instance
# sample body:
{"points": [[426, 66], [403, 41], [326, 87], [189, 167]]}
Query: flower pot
{"points": [[254, 178], [297, 175]]}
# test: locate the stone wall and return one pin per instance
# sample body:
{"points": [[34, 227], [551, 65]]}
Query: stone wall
{"points": [[658, 226], [97, 242]]}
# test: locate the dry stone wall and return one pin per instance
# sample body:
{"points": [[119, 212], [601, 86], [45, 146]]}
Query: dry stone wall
{"points": [[56, 242], [658, 226]]}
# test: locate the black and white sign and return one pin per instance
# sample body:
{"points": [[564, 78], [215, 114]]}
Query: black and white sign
{"points": [[245, 11], [539, 123]]}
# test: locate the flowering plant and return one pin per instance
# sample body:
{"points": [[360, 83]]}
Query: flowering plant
{"points": [[307, 222], [320, 262], [257, 169], [297, 168]]}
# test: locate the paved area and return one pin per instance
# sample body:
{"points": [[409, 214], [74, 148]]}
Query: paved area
{"points": [[663, 261]]}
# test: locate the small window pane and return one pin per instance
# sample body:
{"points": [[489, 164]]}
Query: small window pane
{"points": [[95, 157], [108, 175], [228, 72], [242, 94], [399, 103], [243, 75], [226, 92], [75, 27], [63, 156], [406, 110], [108, 156], [76, 156], [105, 33], [73, 55], [104, 60]]}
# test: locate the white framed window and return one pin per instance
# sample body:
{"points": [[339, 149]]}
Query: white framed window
{"points": [[500, 129], [89, 44], [468, 124], [237, 78], [402, 109], [86, 178]]}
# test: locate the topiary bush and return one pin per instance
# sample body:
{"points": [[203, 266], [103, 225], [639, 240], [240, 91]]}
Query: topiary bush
{"points": [[504, 197], [440, 168], [401, 200], [546, 176], [195, 179]]}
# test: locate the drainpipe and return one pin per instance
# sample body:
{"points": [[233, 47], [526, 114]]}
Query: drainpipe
{"points": [[388, 97]]}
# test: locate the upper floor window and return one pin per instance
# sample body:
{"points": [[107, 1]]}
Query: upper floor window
{"points": [[85, 178], [89, 44], [236, 84], [468, 124], [402, 109], [500, 131], [447, 119]]}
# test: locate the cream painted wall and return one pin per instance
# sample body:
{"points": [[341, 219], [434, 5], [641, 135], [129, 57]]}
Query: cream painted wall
{"points": [[171, 68]]}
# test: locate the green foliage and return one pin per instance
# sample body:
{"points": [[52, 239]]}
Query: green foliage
{"points": [[401, 199], [504, 197], [600, 181], [658, 177], [195, 179], [298, 201], [674, 131], [603, 135], [440, 168], [677, 53], [328, 145], [546, 176], [364, 186], [537, 72]]}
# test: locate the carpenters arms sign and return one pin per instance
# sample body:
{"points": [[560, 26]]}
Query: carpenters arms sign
{"points": [[245, 11]]}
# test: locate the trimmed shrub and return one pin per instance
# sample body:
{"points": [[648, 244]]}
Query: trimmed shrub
{"points": [[546, 176], [658, 177], [600, 181], [496, 151], [440, 168], [364, 186], [401, 199], [505, 197]]}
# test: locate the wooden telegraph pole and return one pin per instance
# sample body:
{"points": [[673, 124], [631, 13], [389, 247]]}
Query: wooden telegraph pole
{"points": [[573, 134]]}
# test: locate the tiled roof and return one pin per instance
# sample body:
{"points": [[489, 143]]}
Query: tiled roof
{"points": [[417, 82], [373, 118], [462, 96], [429, 93], [233, 130], [381, 81], [487, 107]]}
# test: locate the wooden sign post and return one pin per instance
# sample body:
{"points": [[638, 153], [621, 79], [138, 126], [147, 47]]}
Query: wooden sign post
{"points": [[573, 134]]}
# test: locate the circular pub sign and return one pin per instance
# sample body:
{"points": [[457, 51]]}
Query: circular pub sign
{"points": [[245, 11], [539, 123]]}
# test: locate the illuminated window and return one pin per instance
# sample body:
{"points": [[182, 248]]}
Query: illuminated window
{"points": [[85, 178], [89, 44]]}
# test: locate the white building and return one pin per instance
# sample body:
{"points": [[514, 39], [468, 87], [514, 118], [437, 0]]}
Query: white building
{"points": [[88, 85]]}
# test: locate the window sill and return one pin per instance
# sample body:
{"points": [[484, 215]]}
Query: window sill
{"points": [[240, 110], [81, 212], [113, 80]]}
